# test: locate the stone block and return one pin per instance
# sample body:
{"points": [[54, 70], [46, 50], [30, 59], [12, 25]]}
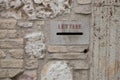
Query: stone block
{"points": [[14, 72], [83, 9], [81, 75], [3, 73], [67, 48], [7, 23], [31, 64], [79, 64], [2, 54], [25, 24], [11, 33], [57, 49], [56, 70], [35, 45], [12, 63], [68, 56], [17, 53], [3, 33], [84, 1], [12, 43]]}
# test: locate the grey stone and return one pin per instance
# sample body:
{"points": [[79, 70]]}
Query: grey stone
{"points": [[56, 70], [35, 46]]}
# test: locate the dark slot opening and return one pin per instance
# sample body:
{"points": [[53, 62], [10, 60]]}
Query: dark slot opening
{"points": [[69, 33]]}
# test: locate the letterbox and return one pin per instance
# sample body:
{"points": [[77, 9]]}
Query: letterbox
{"points": [[69, 32]]}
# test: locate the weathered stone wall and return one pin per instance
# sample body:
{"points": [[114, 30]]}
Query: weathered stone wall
{"points": [[25, 51]]}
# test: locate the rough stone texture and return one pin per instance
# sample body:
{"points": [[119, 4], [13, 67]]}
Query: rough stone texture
{"points": [[31, 74], [3, 73], [81, 75], [43, 8], [79, 64], [84, 1], [56, 70], [68, 56], [11, 33], [7, 23], [3, 33], [31, 64], [11, 63], [83, 9], [12, 43], [13, 72], [35, 46], [67, 48], [17, 53], [25, 24], [2, 54]]}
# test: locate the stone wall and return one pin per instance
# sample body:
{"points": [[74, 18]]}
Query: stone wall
{"points": [[25, 51]]}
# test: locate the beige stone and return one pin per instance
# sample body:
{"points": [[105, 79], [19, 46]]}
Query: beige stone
{"points": [[25, 24], [84, 1], [12, 63], [14, 72], [81, 74], [67, 48], [2, 54], [83, 9], [7, 23], [12, 43], [3, 33], [3, 73], [79, 64], [57, 49], [17, 53], [31, 73], [11, 33], [67, 56], [31, 64]]}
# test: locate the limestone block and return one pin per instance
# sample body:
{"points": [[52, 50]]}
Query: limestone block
{"points": [[81, 74], [6, 79], [31, 64], [57, 49], [67, 56], [84, 1], [14, 72], [3, 73], [83, 9], [11, 63], [17, 53], [11, 43], [7, 23], [35, 46], [3, 33], [2, 54], [67, 48], [56, 70], [79, 64], [11, 33], [31, 74], [25, 24]]}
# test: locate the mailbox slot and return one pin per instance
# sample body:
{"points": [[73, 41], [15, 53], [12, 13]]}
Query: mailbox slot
{"points": [[69, 33]]}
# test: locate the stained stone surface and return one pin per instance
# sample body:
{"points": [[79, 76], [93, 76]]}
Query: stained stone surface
{"points": [[33, 9], [35, 47], [56, 70]]}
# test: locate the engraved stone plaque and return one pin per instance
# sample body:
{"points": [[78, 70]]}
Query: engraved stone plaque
{"points": [[69, 32]]}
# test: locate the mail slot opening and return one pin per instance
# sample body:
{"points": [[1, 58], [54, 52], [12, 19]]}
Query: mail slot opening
{"points": [[69, 33]]}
